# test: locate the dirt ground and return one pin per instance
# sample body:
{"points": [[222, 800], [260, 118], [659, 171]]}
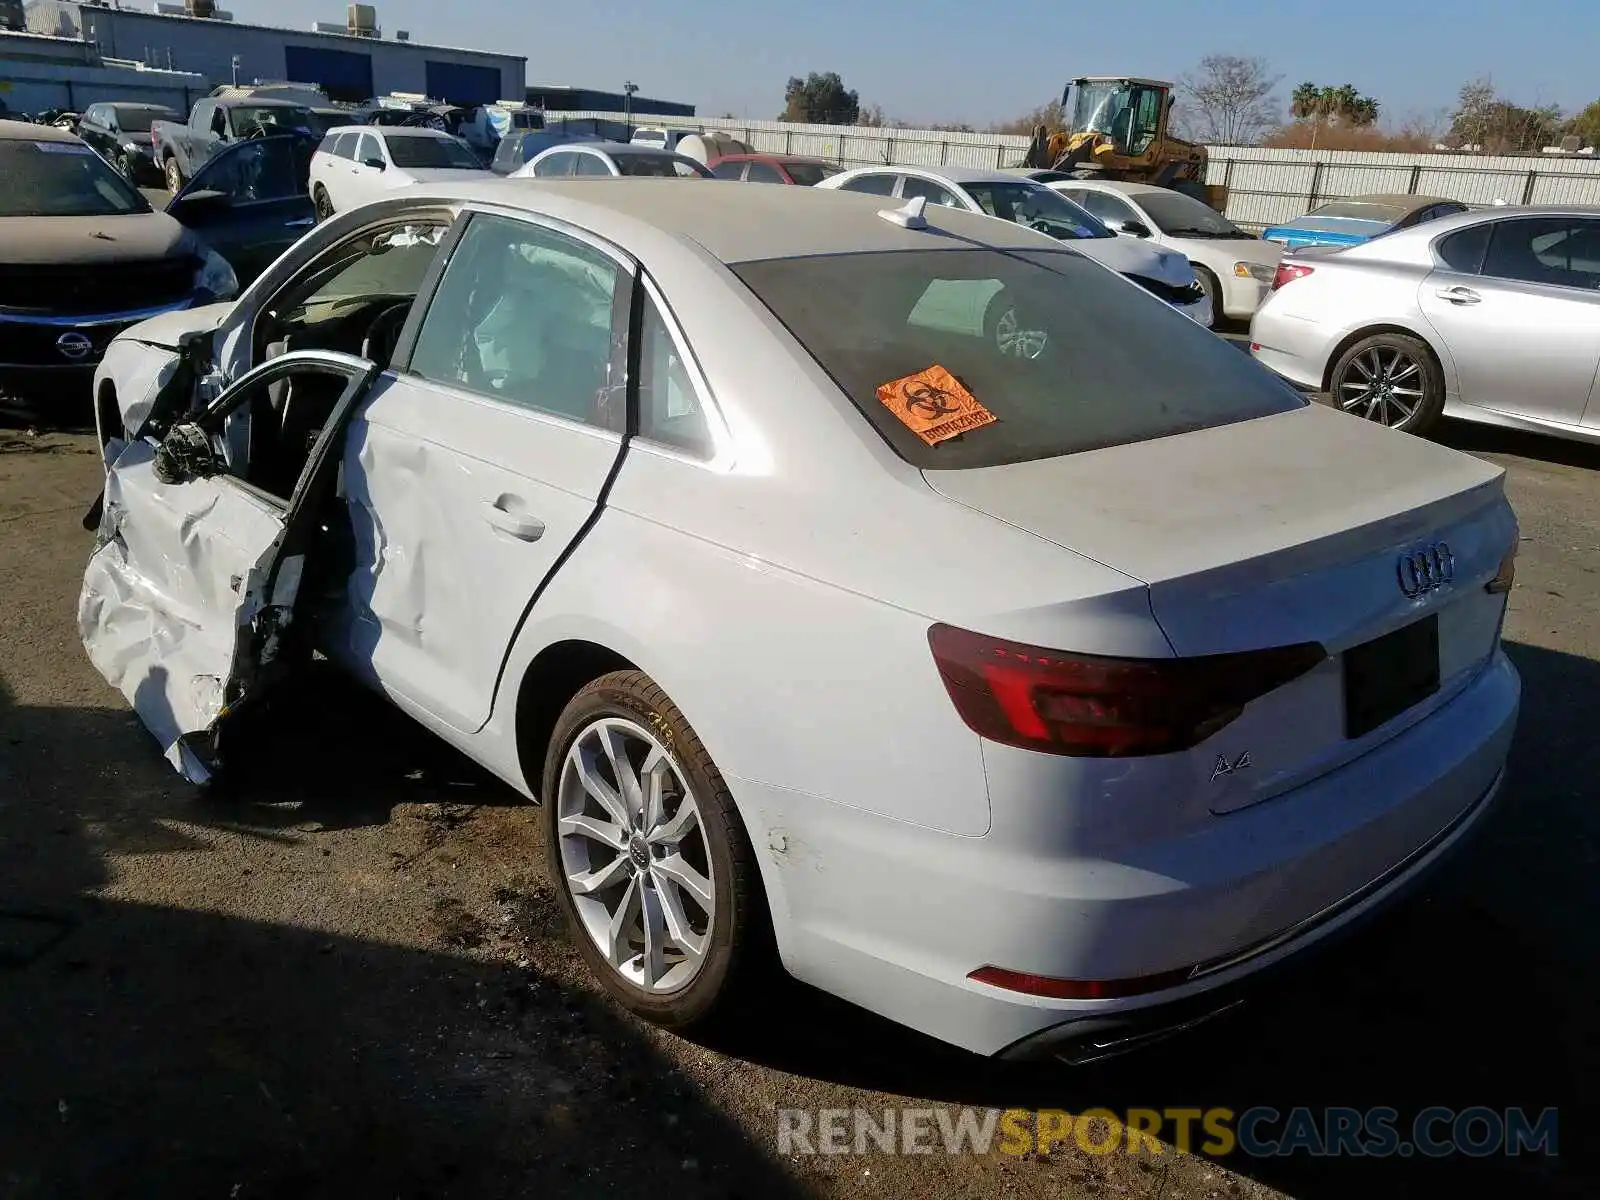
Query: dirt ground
{"points": [[349, 979]]}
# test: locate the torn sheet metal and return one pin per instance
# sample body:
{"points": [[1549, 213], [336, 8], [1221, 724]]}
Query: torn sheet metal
{"points": [[173, 593], [140, 373]]}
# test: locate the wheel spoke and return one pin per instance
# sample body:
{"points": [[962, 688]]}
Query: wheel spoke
{"points": [[655, 934], [1400, 407], [1360, 364], [588, 770], [1410, 369], [681, 873], [622, 771], [585, 883], [684, 822], [678, 928], [656, 774], [617, 949], [1399, 391], [592, 827]]}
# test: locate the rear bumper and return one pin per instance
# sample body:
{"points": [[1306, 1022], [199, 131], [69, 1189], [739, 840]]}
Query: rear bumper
{"points": [[896, 918], [1089, 1039], [1296, 348]]}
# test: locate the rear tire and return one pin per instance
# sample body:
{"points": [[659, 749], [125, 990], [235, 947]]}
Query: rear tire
{"points": [[1213, 290], [1391, 379], [685, 871], [174, 175], [324, 205]]}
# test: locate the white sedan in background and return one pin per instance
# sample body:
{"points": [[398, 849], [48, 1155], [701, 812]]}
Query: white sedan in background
{"points": [[1036, 701], [357, 164], [1236, 268], [1004, 195]]}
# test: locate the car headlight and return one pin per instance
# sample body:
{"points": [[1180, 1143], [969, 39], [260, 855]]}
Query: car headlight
{"points": [[1260, 272], [215, 279]]}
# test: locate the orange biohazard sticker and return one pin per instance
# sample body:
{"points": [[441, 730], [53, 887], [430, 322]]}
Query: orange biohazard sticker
{"points": [[934, 405]]}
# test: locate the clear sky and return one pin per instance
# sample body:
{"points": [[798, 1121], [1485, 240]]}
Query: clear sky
{"points": [[983, 61]]}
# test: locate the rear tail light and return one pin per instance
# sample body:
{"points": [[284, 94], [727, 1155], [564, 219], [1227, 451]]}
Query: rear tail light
{"points": [[1078, 989], [1288, 273], [1092, 707], [1506, 575]]}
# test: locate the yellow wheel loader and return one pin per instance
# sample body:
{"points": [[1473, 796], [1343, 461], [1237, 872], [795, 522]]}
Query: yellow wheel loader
{"points": [[1119, 127]]}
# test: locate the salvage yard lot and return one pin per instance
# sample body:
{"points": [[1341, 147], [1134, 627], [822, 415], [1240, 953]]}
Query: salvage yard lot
{"points": [[348, 977]]}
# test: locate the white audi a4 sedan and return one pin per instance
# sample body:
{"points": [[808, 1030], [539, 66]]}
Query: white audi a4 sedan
{"points": [[1038, 701]]}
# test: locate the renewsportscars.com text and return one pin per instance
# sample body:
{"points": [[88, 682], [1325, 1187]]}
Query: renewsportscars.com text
{"points": [[1258, 1132]]}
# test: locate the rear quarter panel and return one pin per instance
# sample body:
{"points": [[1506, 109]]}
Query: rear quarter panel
{"points": [[1340, 300]]}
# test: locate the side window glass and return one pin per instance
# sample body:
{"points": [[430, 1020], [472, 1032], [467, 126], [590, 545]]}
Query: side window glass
{"points": [[553, 166], [589, 164], [524, 315], [252, 171], [914, 187], [1464, 251], [219, 122], [1537, 250], [669, 407], [728, 170], [761, 172], [368, 148], [876, 185]]}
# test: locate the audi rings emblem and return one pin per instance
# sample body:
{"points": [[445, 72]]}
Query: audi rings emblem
{"points": [[74, 345], [1426, 570]]}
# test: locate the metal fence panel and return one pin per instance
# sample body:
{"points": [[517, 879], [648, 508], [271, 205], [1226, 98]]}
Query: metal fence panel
{"points": [[1265, 187]]}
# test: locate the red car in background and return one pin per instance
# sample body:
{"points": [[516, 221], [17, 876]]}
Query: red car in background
{"points": [[773, 168]]}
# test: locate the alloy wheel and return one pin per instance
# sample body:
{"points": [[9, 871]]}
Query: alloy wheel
{"points": [[1383, 384], [1011, 339], [174, 176], [634, 855]]}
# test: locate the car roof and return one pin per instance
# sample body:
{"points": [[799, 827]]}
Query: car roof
{"points": [[258, 101], [1117, 185], [1400, 200], [404, 131], [26, 131], [957, 175], [739, 224], [138, 104], [773, 158]]}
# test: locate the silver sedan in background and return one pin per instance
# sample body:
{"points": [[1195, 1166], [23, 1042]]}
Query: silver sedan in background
{"points": [[1490, 316]]}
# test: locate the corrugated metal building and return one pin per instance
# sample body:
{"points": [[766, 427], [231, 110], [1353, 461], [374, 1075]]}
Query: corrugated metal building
{"points": [[38, 72], [554, 97], [351, 60]]}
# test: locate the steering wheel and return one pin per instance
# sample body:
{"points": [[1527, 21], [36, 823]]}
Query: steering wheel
{"points": [[379, 343]]}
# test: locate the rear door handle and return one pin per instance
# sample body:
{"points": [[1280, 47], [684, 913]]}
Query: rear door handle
{"points": [[518, 525], [300, 223], [1459, 295]]}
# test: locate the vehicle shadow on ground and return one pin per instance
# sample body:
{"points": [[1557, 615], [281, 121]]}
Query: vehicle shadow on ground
{"points": [[150, 1050], [1474, 438], [1482, 990]]}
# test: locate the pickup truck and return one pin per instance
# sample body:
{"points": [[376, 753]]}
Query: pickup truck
{"points": [[182, 149]]}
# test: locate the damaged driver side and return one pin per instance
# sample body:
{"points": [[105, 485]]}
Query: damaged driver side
{"points": [[189, 602]]}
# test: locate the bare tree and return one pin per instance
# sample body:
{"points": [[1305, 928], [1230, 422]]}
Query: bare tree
{"points": [[1229, 99]]}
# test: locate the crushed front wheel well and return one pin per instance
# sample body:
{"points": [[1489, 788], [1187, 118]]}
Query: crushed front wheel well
{"points": [[551, 680], [1372, 331]]}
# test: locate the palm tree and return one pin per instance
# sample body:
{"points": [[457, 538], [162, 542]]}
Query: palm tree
{"points": [[1305, 101]]}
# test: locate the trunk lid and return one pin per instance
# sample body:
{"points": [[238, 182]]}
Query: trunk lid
{"points": [[1271, 532]]}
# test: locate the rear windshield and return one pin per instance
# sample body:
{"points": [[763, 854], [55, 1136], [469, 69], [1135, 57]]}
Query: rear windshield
{"points": [[809, 174], [275, 117], [426, 153], [1064, 354], [139, 120], [1360, 210], [663, 165], [62, 179]]}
